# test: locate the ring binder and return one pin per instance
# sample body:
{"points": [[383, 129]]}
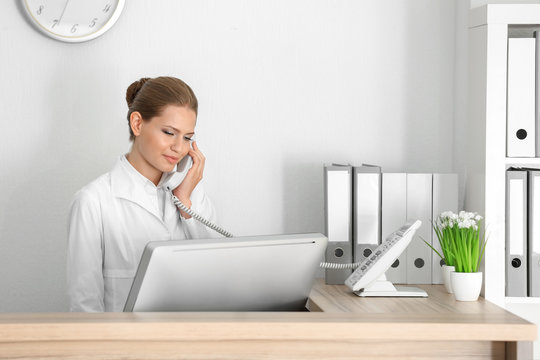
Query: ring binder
{"points": [[338, 220], [521, 97], [366, 210], [419, 206], [394, 213], [516, 232], [445, 198], [534, 233]]}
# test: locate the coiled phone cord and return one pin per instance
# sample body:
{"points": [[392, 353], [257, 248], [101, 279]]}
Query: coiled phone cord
{"points": [[336, 266], [197, 217], [179, 205]]}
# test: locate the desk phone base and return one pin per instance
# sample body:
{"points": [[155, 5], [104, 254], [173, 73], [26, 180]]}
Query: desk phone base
{"points": [[384, 288]]}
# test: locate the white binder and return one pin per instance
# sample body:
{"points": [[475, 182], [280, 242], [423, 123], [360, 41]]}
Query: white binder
{"points": [[521, 98], [338, 220], [516, 232], [366, 210], [537, 86], [445, 198], [419, 255], [394, 215], [534, 233]]}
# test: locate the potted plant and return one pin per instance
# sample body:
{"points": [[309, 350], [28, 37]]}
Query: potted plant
{"points": [[463, 244], [444, 229], [468, 249]]}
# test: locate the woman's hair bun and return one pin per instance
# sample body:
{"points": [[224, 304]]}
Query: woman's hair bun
{"points": [[133, 90]]}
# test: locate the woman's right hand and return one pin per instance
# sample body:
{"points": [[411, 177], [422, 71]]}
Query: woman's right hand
{"points": [[192, 178]]}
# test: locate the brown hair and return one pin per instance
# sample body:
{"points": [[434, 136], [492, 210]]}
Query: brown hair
{"points": [[149, 96]]}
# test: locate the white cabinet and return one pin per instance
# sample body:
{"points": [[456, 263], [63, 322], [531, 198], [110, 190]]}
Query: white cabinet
{"points": [[486, 164]]}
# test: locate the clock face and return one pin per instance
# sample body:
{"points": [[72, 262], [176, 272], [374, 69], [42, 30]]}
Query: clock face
{"points": [[73, 20]]}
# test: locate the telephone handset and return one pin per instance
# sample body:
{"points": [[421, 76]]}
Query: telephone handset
{"points": [[174, 181], [184, 164]]}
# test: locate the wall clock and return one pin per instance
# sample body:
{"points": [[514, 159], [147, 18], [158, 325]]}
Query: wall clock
{"points": [[73, 20]]}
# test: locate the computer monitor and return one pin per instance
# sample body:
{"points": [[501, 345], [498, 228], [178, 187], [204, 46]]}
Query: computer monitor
{"points": [[254, 273]]}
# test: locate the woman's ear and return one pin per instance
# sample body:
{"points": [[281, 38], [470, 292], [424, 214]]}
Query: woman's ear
{"points": [[135, 122]]}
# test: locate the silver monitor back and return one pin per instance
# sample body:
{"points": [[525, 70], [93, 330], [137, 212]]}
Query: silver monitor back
{"points": [[254, 273]]}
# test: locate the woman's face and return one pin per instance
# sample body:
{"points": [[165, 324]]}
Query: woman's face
{"points": [[164, 140]]}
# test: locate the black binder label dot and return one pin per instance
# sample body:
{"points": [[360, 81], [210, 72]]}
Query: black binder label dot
{"points": [[338, 252], [521, 134], [516, 262], [367, 252], [395, 264], [419, 263]]}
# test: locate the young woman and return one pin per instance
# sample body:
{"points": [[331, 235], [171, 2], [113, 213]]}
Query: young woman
{"points": [[113, 218]]}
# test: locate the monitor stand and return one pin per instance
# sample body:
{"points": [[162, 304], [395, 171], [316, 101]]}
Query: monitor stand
{"points": [[384, 288]]}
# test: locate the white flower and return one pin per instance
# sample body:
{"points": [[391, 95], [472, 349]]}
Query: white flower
{"points": [[446, 214], [447, 219], [467, 219], [463, 220], [466, 215]]}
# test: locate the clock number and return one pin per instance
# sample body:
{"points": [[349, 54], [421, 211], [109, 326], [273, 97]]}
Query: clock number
{"points": [[107, 8], [74, 28], [93, 23], [55, 22], [40, 9]]}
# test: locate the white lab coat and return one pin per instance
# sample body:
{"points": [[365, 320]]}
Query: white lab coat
{"points": [[110, 222]]}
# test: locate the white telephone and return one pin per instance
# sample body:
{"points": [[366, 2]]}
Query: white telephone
{"points": [[369, 278]]}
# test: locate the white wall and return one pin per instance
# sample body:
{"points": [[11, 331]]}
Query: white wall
{"points": [[460, 94], [284, 86]]}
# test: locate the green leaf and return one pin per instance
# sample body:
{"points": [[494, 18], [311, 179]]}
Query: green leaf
{"points": [[432, 248]]}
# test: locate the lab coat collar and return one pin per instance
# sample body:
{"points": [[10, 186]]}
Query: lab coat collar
{"points": [[129, 184]]}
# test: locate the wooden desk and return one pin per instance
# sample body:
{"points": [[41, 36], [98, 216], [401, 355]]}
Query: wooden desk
{"points": [[341, 326]]}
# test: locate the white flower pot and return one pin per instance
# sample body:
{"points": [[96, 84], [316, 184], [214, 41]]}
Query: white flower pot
{"points": [[446, 271], [466, 286]]}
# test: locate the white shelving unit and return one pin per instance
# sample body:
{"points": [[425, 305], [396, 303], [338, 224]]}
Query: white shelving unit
{"points": [[489, 28], [522, 161]]}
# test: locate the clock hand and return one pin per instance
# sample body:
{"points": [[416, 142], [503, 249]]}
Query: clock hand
{"points": [[63, 11]]}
